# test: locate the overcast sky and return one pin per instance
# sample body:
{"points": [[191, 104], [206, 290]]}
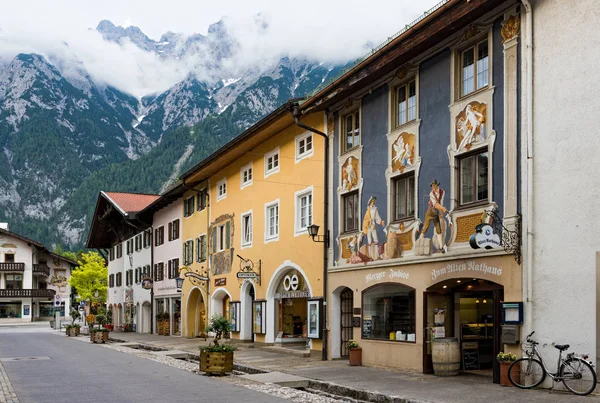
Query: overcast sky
{"points": [[330, 31]]}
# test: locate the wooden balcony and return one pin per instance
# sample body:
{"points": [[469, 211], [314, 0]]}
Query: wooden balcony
{"points": [[41, 269], [27, 293], [20, 267]]}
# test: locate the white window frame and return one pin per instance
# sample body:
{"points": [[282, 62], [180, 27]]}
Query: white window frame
{"points": [[268, 206], [221, 196], [221, 239], [243, 170], [305, 154], [269, 155], [243, 242], [298, 229]]}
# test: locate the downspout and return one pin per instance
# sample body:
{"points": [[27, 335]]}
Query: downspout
{"points": [[296, 114], [529, 79], [152, 289]]}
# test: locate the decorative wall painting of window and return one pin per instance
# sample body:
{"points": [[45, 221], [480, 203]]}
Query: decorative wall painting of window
{"points": [[350, 173], [471, 125], [403, 152]]}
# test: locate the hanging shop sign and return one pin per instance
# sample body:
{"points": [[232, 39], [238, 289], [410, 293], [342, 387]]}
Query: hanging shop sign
{"points": [[484, 237], [248, 271], [147, 283], [292, 286], [493, 234]]}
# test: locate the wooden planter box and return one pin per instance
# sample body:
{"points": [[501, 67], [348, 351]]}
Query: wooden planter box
{"points": [[356, 356], [99, 337], [216, 363], [504, 381], [73, 331], [161, 328]]}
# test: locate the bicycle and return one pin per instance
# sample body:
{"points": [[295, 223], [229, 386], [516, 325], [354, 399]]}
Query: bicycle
{"points": [[575, 372]]}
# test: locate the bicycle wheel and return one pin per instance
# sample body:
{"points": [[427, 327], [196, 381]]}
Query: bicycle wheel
{"points": [[526, 373], [578, 376]]}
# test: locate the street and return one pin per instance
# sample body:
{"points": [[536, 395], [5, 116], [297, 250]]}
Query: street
{"points": [[55, 369]]}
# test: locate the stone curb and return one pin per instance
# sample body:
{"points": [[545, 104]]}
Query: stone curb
{"points": [[359, 394]]}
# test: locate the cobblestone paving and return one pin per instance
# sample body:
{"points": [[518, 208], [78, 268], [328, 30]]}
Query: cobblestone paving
{"points": [[8, 394], [270, 389]]}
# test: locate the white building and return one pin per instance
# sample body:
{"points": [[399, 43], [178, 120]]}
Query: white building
{"points": [[560, 166], [33, 281]]}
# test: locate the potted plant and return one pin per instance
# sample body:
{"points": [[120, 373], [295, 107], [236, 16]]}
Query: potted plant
{"points": [[99, 335], [505, 359], [166, 324], [73, 329], [216, 358], [355, 353]]}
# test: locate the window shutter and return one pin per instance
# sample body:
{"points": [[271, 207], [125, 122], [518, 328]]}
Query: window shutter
{"points": [[170, 231], [227, 233], [204, 247], [176, 230], [185, 208], [214, 240], [198, 249], [191, 252]]}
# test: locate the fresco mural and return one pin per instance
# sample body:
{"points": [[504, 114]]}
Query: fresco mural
{"points": [[471, 125], [403, 152], [437, 215], [222, 227], [350, 173]]}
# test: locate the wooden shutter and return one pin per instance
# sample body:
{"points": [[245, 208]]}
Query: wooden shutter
{"points": [[227, 234], [176, 229], [214, 240], [204, 247], [170, 231], [191, 252]]}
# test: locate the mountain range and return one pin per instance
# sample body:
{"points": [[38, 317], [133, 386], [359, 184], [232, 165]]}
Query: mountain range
{"points": [[64, 136]]}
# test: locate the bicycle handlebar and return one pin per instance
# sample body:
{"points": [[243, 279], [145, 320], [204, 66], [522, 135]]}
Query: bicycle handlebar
{"points": [[530, 334]]}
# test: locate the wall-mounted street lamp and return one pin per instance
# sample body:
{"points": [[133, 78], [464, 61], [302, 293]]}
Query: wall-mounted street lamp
{"points": [[313, 230], [179, 282]]}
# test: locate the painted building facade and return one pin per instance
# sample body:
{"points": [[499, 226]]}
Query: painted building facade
{"points": [[424, 141], [262, 191], [33, 281]]}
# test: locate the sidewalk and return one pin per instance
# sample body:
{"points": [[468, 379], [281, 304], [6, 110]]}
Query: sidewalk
{"points": [[412, 387]]}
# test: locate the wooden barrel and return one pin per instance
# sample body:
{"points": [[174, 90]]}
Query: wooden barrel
{"points": [[445, 356]]}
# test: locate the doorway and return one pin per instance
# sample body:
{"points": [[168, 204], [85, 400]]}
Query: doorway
{"points": [[469, 310], [346, 314]]}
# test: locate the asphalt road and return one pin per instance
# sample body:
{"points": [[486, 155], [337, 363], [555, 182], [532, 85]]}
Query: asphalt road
{"points": [[73, 371]]}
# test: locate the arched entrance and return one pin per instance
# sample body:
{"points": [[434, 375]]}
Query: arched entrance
{"points": [[119, 315], [342, 303], [196, 314], [220, 302], [146, 314], [248, 295], [467, 309]]}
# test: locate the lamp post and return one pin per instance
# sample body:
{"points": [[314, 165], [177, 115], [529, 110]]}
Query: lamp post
{"points": [[313, 230]]}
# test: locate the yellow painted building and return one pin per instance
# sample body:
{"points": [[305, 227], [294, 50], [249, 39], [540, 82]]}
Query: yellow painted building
{"points": [[265, 273]]}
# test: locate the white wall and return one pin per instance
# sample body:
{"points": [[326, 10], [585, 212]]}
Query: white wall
{"points": [[566, 185], [170, 249], [115, 294]]}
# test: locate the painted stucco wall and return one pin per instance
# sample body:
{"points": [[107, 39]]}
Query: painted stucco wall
{"points": [[170, 249], [566, 230]]}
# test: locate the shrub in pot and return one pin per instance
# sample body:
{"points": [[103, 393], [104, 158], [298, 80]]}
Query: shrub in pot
{"points": [[217, 359], [99, 335], [505, 359], [72, 330]]}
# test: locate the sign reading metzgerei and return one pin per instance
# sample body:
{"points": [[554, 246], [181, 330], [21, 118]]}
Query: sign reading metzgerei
{"points": [[246, 274]]}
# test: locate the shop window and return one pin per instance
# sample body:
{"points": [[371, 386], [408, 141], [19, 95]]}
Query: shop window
{"points": [[14, 281], [351, 130], [350, 212], [404, 197], [10, 310], [388, 312], [473, 181]]}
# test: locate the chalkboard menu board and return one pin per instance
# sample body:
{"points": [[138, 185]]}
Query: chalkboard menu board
{"points": [[367, 327], [470, 358]]}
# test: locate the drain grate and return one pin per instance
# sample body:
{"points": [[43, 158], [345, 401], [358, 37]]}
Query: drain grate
{"points": [[24, 358]]}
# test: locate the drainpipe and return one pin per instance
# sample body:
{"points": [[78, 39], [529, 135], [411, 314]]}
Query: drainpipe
{"points": [[529, 79], [296, 114], [152, 289]]}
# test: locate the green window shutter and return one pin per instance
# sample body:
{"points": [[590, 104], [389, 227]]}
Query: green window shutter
{"points": [[185, 253], [214, 240], [203, 256], [227, 233], [185, 208], [191, 252]]}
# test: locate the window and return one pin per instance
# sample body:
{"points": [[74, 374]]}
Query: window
{"points": [[9, 258], [350, 205], [129, 278], [14, 281], [201, 248], [473, 181], [222, 189], [138, 242], [159, 274], [137, 275], [272, 221], [272, 162], [246, 175], [173, 271], [188, 206], [201, 200], [147, 238], [474, 71], [221, 236], [247, 229], [188, 252], [174, 230], [304, 210], [111, 254], [159, 236], [130, 246], [304, 146], [119, 279], [404, 197], [146, 272], [111, 280], [351, 130], [406, 103], [388, 308], [119, 251]]}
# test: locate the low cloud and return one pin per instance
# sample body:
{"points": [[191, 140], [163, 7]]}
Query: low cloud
{"points": [[263, 32]]}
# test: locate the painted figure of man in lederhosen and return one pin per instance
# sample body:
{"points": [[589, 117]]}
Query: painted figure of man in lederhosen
{"points": [[435, 214], [369, 230]]}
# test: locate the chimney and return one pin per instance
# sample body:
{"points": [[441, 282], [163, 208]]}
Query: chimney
{"points": [[4, 226]]}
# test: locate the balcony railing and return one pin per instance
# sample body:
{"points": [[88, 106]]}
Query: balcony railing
{"points": [[12, 266], [27, 293], [41, 269]]}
